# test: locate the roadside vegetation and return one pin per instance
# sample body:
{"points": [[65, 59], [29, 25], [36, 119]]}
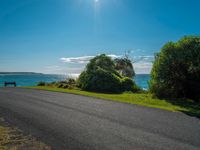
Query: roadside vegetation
{"points": [[144, 99], [102, 74], [174, 84], [176, 70]]}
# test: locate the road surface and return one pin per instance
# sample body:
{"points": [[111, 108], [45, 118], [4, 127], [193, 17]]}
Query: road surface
{"points": [[71, 122]]}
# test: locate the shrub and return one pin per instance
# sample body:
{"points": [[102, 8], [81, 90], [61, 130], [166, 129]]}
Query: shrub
{"points": [[176, 70], [67, 84], [83, 80], [59, 85], [100, 80], [41, 84], [71, 81], [129, 85], [101, 76], [103, 62]]}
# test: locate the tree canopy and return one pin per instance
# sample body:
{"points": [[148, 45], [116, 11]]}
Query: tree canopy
{"points": [[176, 70], [101, 75]]}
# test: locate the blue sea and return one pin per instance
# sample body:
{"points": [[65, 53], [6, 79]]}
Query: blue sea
{"points": [[142, 80], [32, 79]]}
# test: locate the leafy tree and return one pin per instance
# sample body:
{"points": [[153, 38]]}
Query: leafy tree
{"points": [[102, 61], [100, 81], [100, 75], [176, 70]]}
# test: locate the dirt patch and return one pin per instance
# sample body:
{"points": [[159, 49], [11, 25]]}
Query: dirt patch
{"points": [[12, 138]]}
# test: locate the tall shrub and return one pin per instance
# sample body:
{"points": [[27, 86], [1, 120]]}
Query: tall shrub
{"points": [[100, 75], [176, 70]]}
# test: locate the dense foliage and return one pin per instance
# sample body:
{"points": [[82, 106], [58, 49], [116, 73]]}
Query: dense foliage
{"points": [[176, 70], [41, 83], [100, 80], [127, 84], [69, 83], [101, 76]]}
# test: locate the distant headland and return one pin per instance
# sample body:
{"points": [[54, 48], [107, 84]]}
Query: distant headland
{"points": [[20, 73]]}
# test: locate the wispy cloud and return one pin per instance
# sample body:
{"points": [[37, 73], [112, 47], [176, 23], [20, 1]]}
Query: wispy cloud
{"points": [[143, 64], [143, 58], [143, 67], [82, 59], [75, 65]]}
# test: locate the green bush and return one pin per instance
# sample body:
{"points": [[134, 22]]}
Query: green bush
{"points": [[71, 81], [100, 76], [100, 80], [103, 62], [83, 79], [129, 85], [67, 84], [41, 84], [59, 85], [176, 70]]}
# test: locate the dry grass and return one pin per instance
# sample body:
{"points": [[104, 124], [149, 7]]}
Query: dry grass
{"points": [[12, 138]]}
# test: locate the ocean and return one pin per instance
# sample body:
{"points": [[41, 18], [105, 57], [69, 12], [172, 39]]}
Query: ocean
{"points": [[32, 79], [142, 80]]}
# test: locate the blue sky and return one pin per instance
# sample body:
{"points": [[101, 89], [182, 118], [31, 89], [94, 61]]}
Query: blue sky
{"points": [[60, 36]]}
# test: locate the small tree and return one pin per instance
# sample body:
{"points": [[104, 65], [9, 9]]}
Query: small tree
{"points": [[100, 75], [176, 70]]}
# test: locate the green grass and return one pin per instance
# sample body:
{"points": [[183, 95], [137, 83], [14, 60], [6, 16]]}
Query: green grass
{"points": [[142, 99]]}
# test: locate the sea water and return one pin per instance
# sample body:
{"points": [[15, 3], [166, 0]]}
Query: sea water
{"points": [[32, 79], [142, 80]]}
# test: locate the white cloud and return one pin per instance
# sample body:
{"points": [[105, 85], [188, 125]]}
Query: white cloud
{"points": [[143, 58], [143, 67], [143, 64], [75, 65], [63, 69], [73, 75], [82, 59]]}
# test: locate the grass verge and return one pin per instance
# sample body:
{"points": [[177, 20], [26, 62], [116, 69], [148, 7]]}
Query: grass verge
{"points": [[142, 99]]}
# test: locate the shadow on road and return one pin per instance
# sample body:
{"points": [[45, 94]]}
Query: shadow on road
{"points": [[192, 107]]}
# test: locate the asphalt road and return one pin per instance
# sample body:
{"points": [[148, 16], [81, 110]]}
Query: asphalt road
{"points": [[72, 122]]}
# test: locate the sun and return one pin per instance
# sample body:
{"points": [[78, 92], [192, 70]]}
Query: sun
{"points": [[96, 1]]}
